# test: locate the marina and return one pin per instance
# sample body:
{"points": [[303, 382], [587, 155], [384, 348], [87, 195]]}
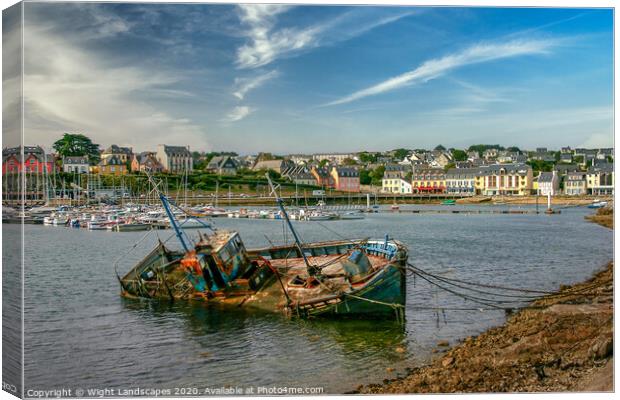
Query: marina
{"points": [[100, 333]]}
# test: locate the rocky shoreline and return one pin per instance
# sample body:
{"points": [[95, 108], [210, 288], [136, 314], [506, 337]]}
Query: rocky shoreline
{"points": [[562, 342]]}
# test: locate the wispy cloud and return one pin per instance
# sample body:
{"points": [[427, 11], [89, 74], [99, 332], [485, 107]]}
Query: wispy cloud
{"points": [[244, 85], [267, 43], [437, 67], [69, 87], [238, 113]]}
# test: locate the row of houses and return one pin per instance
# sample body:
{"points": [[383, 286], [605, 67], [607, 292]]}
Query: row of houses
{"points": [[499, 179], [597, 180], [115, 160]]}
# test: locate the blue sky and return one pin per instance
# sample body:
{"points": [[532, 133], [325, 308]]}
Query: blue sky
{"points": [[308, 79]]}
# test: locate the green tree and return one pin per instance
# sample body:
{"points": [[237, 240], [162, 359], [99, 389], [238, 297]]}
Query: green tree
{"points": [[365, 178], [440, 147], [77, 145], [377, 174], [513, 149], [459, 155], [367, 157], [578, 159], [480, 148], [401, 153], [349, 161], [540, 165], [324, 162], [449, 165]]}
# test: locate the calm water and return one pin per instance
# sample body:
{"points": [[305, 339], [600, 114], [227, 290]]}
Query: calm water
{"points": [[80, 333]]}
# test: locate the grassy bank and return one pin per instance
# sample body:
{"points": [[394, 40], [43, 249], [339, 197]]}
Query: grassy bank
{"points": [[563, 342], [604, 216]]}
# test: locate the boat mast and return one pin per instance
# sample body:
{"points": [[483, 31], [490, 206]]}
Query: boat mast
{"points": [[173, 222], [312, 270]]}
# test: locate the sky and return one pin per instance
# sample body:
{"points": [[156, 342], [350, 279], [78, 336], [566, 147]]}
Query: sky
{"points": [[304, 79]]}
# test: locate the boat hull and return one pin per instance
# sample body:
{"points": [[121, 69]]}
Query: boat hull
{"points": [[269, 286]]}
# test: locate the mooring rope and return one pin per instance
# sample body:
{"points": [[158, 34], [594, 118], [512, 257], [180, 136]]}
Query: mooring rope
{"points": [[495, 303]]}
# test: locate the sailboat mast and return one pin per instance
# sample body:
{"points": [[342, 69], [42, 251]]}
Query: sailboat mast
{"points": [[312, 270]]}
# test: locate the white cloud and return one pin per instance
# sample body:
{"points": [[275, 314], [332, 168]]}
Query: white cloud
{"points": [[268, 44], [238, 113], [67, 88], [244, 85], [265, 45], [437, 67]]}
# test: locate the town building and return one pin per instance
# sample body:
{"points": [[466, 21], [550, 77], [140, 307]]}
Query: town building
{"points": [[504, 179], [394, 179], [563, 169], [24, 176], [299, 159], [274, 165], [603, 154], [146, 161], [300, 175], [440, 159], [175, 159], [472, 155], [322, 176], [334, 158], [35, 160], [600, 179], [566, 158], [548, 183], [490, 154], [346, 179], [77, 165], [122, 153], [461, 181], [222, 165], [575, 183], [428, 180], [111, 165], [545, 156]]}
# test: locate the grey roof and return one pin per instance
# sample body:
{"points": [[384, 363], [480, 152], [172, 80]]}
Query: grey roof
{"points": [[82, 160], [114, 149], [36, 151], [493, 169], [214, 163], [112, 160], [177, 151], [545, 177], [564, 168], [396, 167], [601, 167], [462, 173], [347, 172]]}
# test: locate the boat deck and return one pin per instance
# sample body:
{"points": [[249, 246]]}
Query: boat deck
{"points": [[331, 264]]}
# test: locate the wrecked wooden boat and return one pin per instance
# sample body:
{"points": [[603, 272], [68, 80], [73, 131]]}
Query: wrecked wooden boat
{"points": [[357, 278]]}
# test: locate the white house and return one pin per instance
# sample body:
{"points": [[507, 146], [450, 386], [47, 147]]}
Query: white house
{"points": [[394, 180], [78, 165], [175, 158], [548, 183]]}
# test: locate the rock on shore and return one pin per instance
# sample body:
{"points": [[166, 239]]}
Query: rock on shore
{"points": [[564, 342]]}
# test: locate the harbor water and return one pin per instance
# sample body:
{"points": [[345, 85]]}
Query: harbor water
{"points": [[79, 333]]}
